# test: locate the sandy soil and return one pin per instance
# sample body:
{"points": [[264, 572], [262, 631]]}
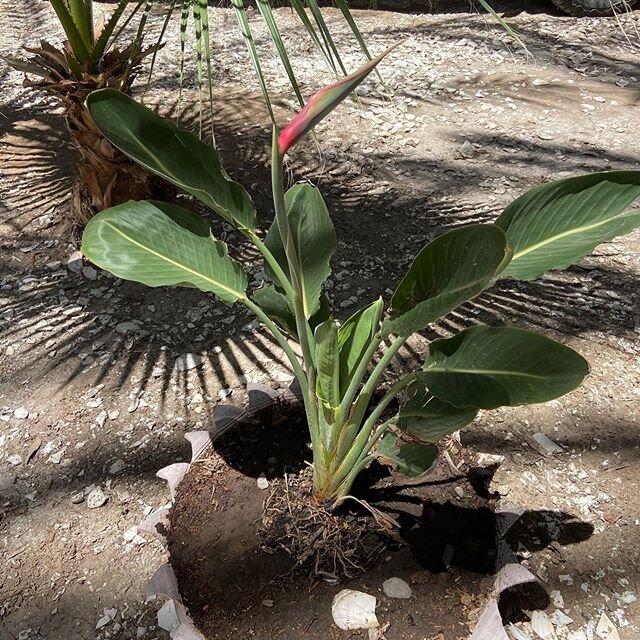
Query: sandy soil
{"points": [[89, 393]]}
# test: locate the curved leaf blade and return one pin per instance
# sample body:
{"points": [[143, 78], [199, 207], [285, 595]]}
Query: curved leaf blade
{"points": [[453, 268], [490, 367], [411, 460], [328, 363], [178, 156], [427, 418], [315, 241], [557, 224], [159, 244], [354, 337]]}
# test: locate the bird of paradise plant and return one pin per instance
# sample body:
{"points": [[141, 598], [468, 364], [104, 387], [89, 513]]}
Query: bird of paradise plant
{"points": [[341, 365]]}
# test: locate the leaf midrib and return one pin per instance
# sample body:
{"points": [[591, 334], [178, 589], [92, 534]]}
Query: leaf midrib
{"points": [[490, 372], [564, 234], [237, 294]]}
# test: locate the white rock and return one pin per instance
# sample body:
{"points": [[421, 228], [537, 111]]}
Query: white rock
{"points": [[606, 630], [539, 82], [168, 616], [96, 498], [396, 588], [55, 458], [542, 626], [517, 634], [14, 459], [109, 616], [557, 599], [188, 361], [577, 635], [130, 534], [21, 413], [354, 610], [262, 482], [560, 618], [628, 597]]}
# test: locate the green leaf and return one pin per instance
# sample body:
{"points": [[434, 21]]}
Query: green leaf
{"points": [[315, 242], [159, 244], [557, 224], [275, 305], [489, 367], [328, 363], [453, 268], [411, 460], [426, 418], [354, 337], [179, 157]]}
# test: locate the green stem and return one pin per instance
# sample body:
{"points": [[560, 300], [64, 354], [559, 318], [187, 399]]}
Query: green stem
{"points": [[356, 413], [365, 440], [282, 341]]}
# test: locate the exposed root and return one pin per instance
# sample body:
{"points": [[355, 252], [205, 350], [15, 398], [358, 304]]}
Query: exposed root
{"points": [[332, 546]]}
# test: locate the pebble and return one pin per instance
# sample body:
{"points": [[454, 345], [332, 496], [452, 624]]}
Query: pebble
{"points": [[467, 150], [354, 610], [168, 616], [542, 625], [89, 273], [21, 413], [267, 603], [96, 498], [117, 467], [605, 629], [396, 588], [544, 445], [109, 616], [74, 263], [262, 482], [77, 498], [14, 459], [126, 327], [188, 361], [560, 618], [539, 82]]}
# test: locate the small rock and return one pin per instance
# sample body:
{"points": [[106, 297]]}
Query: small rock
{"points": [[628, 597], [74, 263], [14, 459], [21, 413], [56, 458], [89, 273], [96, 498], [354, 610], [168, 616], [126, 327], [544, 445], [117, 467], [267, 603], [224, 393], [577, 635], [539, 82], [606, 630], [467, 150], [77, 498], [130, 534], [542, 626], [109, 616], [560, 618], [262, 482], [101, 418], [396, 588], [557, 599], [188, 361]]}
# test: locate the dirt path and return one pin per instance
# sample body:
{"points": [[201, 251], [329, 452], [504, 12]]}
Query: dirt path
{"points": [[90, 396]]}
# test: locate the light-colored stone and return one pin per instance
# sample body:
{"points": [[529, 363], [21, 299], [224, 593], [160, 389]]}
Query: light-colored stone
{"points": [[354, 610], [396, 588]]}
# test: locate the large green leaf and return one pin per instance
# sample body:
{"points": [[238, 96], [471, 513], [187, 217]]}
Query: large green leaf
{"points": [[489, 367], [557, 224], [315, 242], [453, 268], [354, 337], [328, 363], [426, 418], [178, 156], [411, 460], [160, 244]]}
